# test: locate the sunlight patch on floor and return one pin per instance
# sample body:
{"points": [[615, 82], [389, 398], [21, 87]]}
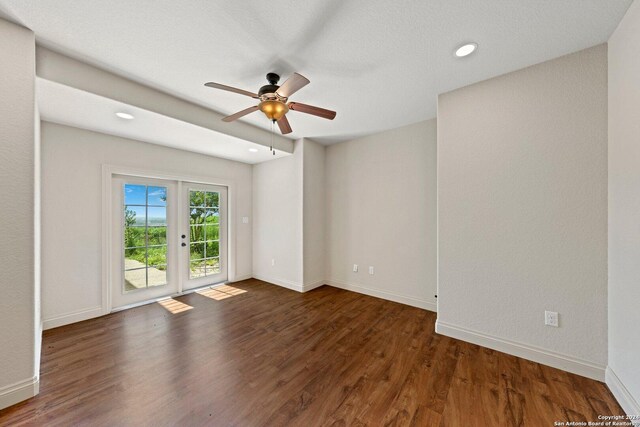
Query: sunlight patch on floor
{"points": [[174, 306], [221, 292]]}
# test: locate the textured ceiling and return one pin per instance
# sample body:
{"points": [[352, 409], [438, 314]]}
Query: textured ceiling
{"points": [[379, 64]]}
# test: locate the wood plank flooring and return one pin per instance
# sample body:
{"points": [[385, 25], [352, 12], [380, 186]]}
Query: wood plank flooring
{"points": [[260, 355]]}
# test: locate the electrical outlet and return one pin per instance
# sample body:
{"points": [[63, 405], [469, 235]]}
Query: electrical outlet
{"points": [[551, 318], [245, 220], [355, 268], [273, 262], [370, 269]]}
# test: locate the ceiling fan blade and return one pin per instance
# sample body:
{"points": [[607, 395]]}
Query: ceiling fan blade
{"points": [[239, 114], [310, 109], [284, 125], [292, 85], [231, 89]]}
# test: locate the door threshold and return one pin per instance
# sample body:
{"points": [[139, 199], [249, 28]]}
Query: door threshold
{"points": [[178, 294]]}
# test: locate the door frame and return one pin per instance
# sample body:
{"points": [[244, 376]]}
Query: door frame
{"points": [[108, 171]]}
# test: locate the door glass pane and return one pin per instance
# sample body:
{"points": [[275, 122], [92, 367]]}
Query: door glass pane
{"points": [[157, 235], [197, 251], [204, 212], [145, 236], [136, 216], [157, 255], [156, 216], [135, 194], [196, 233], [157, 275], [212, 249], [197, 269], [212, 232], [213, 266], [212, 199], [157, 196], [135, 279], [196, 198]]}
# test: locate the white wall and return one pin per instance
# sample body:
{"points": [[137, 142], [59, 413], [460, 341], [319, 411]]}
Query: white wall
{"points": [[381, 212], [522, 212], [18, 310], [313, 213], [72, 207], [277, 216], [624, 211]]}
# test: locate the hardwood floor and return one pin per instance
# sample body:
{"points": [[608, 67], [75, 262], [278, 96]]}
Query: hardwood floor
{"points": [[262, 355]]}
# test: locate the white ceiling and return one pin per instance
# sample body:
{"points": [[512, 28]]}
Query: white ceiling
{"points": [[73, 107], [379, 64]]}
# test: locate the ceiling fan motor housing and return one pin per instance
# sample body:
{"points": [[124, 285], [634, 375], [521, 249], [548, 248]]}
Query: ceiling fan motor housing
{"points": [[268, 89], [272, 87]]}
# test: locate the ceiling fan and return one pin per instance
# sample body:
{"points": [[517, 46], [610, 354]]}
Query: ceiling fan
{"points": [[274, 101]]}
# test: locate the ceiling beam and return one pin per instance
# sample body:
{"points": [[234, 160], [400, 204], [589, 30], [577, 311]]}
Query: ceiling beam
{"points": [[71, 72]]}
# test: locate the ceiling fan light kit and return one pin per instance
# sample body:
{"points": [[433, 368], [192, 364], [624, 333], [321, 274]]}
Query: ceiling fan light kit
{"points": [[274, 101], [273, 109]]}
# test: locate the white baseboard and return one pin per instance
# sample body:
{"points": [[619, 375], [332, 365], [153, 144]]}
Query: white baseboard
{"points": [[240, 278], [622, 394], [309, 286], [536, 354], [294, 286], [414, 302], [73, 317], [17, 392]]}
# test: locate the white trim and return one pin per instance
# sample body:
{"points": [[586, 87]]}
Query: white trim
{"points": [[17, 392], [402, 299], [73, 317], [241, 278], [294, 286], [309, 286], [107, 178], [536, 354], [622, 394]]}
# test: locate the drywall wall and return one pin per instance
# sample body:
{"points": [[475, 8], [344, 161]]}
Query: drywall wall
{"points": [[277, 227], [18, 310], [381, 212], [72, 162], [522, 212], [624, 208], [313, 213]]}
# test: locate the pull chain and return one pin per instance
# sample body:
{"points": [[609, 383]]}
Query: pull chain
{"points": [[273, 123]]}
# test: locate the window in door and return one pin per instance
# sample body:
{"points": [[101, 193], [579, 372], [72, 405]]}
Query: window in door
{"points": [[204, 229], [145, 236]]}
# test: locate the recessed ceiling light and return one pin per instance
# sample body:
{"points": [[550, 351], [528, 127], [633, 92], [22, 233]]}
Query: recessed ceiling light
{"points": [[125, 116], [466, 49], [253, 150]]}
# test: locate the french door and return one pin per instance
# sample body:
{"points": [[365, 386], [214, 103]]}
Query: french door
{"points": [[205, 241], [167, 236]]}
